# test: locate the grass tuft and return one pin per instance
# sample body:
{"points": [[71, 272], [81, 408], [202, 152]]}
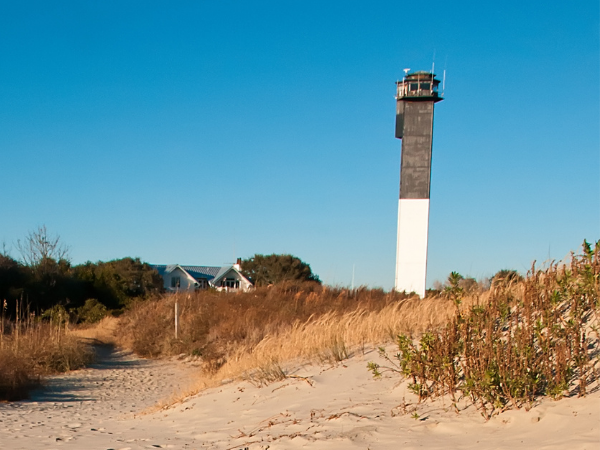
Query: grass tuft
{"points": [[30, 350]]}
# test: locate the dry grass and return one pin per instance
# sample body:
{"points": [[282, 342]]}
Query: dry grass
{"points": [[333, 337], [211, 322], [32, 349], [539, 324], [538, 338], [254, 335], [103, 331]]}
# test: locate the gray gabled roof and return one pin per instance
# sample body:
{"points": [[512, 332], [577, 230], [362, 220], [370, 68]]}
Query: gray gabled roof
{"points": [[161, 269], [206, 272], [223, 270], [197, 272]]}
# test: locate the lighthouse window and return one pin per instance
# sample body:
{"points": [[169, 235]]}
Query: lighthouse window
{"points": [[426, 86], [414, 86]]}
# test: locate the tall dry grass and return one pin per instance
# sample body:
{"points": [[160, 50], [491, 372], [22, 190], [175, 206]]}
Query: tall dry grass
{"points": [[253, 334], [537, 338], [31, 349], [334, 337], [210, 322]]}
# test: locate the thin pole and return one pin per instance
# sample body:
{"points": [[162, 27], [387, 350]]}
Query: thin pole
{"points": [[2, 325], [17, 320], [176, 318]]}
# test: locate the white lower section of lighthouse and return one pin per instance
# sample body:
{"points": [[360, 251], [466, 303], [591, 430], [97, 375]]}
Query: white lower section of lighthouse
{"points": [[411, 249]]}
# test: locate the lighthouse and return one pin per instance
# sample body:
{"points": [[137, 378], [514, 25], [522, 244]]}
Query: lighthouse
{"points": [[415, 96]]}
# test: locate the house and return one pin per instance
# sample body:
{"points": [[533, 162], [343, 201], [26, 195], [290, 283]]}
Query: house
{"points": [[191, 278]]}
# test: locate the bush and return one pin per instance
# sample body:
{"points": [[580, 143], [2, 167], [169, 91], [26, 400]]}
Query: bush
{"points": [[521, 344], [57, 315], [506, 276], [264, 270], [92, 311], [119, 282], [16, 377]]}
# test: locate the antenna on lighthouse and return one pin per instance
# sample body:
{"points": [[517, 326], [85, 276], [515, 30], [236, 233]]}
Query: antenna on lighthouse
{"points": [[444, 83]]}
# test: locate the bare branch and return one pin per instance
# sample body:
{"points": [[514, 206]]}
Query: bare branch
{"points": [[38, 246]]}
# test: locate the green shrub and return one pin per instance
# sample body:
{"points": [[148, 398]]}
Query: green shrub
{"points": [[57, 315], [517, 346], [92, 311], [506, 276]]}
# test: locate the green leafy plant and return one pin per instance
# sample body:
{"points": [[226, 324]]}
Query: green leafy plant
{"points": [[92, 311], [263, 270], [516, 346], [453, 290]]}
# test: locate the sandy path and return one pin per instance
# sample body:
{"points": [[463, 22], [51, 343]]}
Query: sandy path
{"points": [[93, 407], [322, 407]]}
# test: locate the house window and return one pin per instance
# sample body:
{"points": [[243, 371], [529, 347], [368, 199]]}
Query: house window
{"points": [[426, 86], [230, 283], [201, 284], [175, 282]]}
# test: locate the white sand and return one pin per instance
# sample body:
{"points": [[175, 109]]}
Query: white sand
{"points": [[335, 408]]}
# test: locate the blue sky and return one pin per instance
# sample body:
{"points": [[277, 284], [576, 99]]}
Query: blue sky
{"points": [[197, 132]]}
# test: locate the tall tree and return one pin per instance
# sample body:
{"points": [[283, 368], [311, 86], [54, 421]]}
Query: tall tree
{"points": [[271, 269], [47, 261], [38, 248], [115, 283], [13, 278]]}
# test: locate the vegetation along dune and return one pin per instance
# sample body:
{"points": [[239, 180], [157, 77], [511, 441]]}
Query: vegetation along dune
{"points": [[514, 362]]}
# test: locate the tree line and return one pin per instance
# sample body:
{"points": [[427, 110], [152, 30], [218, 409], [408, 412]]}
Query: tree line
{"points": [[114, 283], [44, 277]]}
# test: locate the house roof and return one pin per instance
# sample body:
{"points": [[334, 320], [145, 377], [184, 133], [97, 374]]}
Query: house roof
{"points": [[160, 268], [223, 271], [206, 272], [197, 272]]}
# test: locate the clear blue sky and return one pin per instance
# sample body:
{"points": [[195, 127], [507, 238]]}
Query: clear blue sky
{"points": [[195, 132]]}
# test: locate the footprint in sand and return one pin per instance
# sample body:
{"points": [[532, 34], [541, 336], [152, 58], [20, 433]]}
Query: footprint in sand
{"points": [[98, 404]]}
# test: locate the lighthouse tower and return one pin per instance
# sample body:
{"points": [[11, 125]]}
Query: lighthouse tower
{"points": [[415, 96]]}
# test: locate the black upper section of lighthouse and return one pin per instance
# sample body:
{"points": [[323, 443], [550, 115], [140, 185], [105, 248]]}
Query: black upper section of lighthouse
{"points": [[415, 96], [415, 87]]}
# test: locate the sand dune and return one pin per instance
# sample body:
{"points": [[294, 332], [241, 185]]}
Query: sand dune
{"points": [[94, 407], [320, 407]]}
